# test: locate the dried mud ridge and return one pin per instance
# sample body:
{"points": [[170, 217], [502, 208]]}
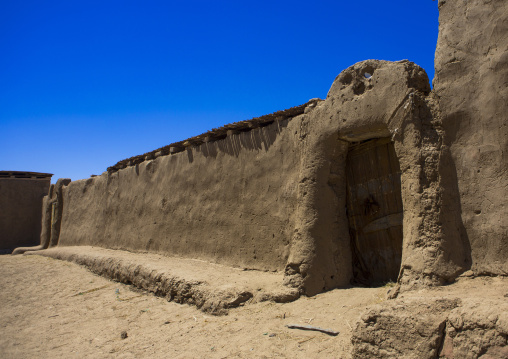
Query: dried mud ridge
{"points": [[216, 134], [211, 288]]}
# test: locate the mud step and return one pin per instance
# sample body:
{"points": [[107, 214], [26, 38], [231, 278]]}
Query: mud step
{"points": [[211, 287]]}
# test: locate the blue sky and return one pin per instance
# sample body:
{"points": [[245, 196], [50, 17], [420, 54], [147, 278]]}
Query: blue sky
{"points": [[84, 84]]}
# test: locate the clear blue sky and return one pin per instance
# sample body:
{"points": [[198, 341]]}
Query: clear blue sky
{"points": [[84, 84]]}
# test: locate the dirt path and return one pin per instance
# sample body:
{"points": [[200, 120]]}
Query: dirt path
{"points": [[56, 309]]}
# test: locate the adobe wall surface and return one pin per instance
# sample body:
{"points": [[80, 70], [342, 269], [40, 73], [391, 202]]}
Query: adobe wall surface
{"points": [[230, 201], [20, 211], [472, 85]]}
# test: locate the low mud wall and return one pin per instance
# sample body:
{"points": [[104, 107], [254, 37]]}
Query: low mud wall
{"points": [[230, 201]]}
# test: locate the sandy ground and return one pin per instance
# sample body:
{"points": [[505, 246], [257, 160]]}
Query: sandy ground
{"points": [[56, 309]]}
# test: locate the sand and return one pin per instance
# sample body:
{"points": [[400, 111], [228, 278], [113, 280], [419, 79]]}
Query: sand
{"points": [[56, 309]]}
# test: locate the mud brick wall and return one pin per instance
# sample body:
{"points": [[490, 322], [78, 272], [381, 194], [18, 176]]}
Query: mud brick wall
{"points": [[471, 82], [21, 211], [229, 201]]}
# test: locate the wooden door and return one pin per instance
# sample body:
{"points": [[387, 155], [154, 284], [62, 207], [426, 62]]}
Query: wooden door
{"points": [[374, 207]]}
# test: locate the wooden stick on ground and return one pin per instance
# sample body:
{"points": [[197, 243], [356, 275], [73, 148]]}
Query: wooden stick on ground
{"points": [[310, 327], [91, 290]]}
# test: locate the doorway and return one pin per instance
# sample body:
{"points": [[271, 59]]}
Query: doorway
{"points": [[374, 209]]}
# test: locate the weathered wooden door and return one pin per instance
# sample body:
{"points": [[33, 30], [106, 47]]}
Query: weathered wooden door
{"points": [[374, 207]]}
